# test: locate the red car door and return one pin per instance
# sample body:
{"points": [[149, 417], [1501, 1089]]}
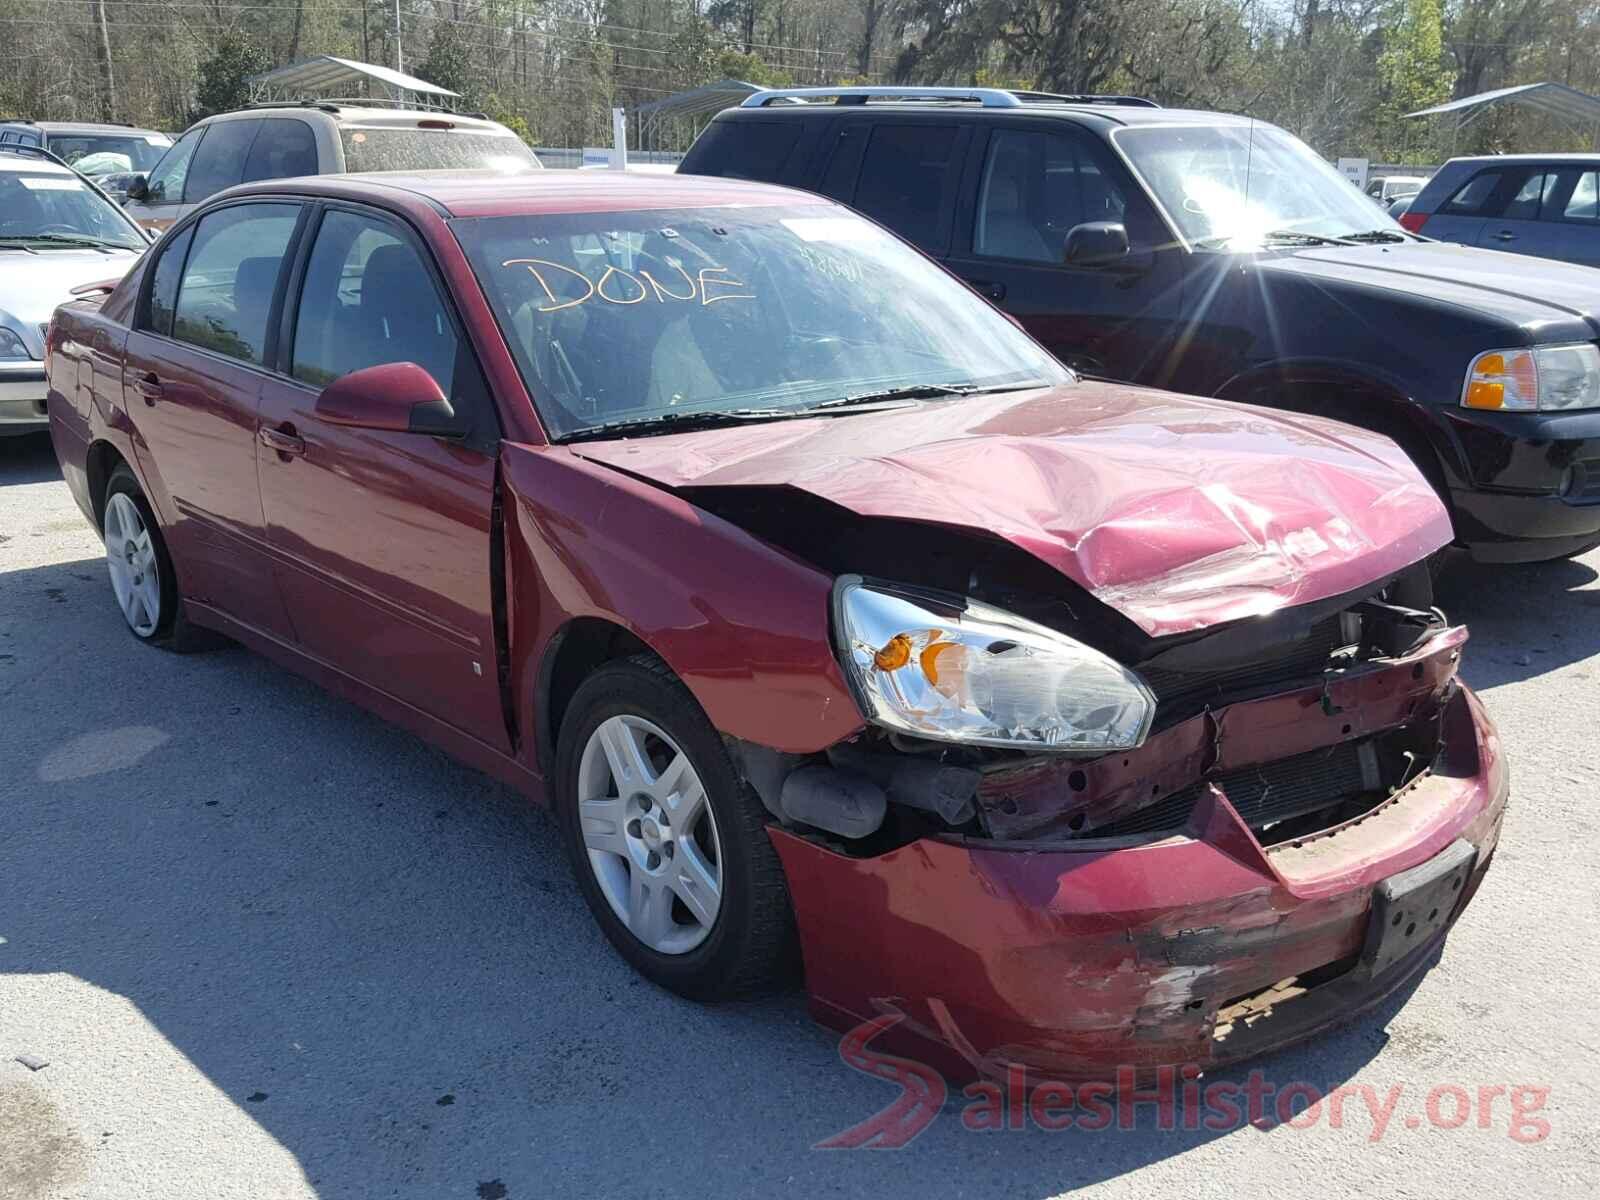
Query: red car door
{"points": [[382, 539], [192, 378]]}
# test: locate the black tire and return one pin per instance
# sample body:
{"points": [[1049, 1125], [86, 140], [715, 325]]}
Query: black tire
{"points": [[173, 631], [752, 945]]}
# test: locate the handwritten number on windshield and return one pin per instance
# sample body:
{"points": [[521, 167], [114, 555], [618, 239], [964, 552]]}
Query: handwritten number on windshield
{"points": [[708, 285]]}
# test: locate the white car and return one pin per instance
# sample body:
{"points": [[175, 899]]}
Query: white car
{"points": [[56, 233]]}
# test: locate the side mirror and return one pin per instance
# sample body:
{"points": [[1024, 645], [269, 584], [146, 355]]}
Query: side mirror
{"points": [[1096, 244], [392, 397], [138, 187]]}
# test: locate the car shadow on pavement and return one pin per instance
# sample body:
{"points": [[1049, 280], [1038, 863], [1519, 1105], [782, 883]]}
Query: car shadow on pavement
{"points": [[29, 459], [379, 957], [1525, 619]]}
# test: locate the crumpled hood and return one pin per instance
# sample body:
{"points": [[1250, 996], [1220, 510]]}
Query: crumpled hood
{"points": [[1178, 512], [32, 286], [1553, 300]]}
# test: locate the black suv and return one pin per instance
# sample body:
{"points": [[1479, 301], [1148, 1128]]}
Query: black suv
{"points": [[1218, 255]]}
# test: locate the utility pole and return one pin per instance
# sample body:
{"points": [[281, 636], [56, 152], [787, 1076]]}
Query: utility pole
{"points": [[399, 41], [102, 52]]}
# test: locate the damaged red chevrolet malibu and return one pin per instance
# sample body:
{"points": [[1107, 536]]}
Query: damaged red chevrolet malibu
{"points": [[840, 624]]}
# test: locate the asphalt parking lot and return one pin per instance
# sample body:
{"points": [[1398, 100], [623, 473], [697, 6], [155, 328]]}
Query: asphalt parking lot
{"points": [[271, 947]]}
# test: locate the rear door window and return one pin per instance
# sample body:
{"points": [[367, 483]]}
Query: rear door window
{"points": [[164, 283], [219, 163], [285, 147], [1472, 197], [1530, 197], [908, 180], [231, 277]]}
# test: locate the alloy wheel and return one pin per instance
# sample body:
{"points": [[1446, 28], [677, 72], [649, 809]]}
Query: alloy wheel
{"points": [[650, 834], [131, 559]]}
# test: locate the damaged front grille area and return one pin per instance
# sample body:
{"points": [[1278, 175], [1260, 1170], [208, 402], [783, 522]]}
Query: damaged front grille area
{"points": [[1180, 692], [1271, 793]]}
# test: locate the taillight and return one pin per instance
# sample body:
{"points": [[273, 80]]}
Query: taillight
{"points": [[1414, 221]]}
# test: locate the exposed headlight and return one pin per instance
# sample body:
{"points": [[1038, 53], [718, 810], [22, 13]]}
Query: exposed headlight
{"points": [[11, 346], [959, 671], [1550, 378]]}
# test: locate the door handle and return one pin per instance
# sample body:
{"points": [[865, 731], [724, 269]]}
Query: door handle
{"points": [[1505, 235], [284, 440], [148, 386], [994, 291]]}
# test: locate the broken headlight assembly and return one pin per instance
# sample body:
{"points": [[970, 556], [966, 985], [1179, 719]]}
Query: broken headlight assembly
{"points": [[954, 670]]}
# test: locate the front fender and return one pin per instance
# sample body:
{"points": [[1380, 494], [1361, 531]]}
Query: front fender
{"points": [[743, 624]]}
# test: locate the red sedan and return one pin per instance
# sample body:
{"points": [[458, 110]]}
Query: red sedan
{"points": [[836, 620]]}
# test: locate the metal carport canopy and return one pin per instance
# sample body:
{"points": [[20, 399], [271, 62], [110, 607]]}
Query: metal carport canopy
{"points": [[1557, 99], [325, 74], [713, 97]]}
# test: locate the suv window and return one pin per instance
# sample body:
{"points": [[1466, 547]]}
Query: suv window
{"points": [[747, 149], [230, 278], [908, 178], [432, 150], [166, 181], [1534, 192], [1584, 203], [164, 282], [368, 300], [1472, 195], [285, 147], [1036, 187], [219, 163]]}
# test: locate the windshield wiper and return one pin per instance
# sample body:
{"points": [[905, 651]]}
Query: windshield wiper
{"points": [[677, 422], [64, 239], [923, 391], [1223, 241], [1377, 235]]}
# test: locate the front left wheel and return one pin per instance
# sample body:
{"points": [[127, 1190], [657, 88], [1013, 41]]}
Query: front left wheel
{"points": [[668, 844]]}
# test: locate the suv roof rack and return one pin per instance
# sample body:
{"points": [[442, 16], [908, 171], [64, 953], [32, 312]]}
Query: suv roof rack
{"points": [[333, 104], [986, 97]]}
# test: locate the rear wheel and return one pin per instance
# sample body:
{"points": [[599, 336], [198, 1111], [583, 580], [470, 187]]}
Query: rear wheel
{"points": [[668, 844], [143, 580]]}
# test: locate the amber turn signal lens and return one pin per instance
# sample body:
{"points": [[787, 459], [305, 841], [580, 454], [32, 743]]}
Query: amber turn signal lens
{"points": [[895, 653]]}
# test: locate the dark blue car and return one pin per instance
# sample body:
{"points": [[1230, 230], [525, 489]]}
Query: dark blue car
{"points": [[1547, 205]]}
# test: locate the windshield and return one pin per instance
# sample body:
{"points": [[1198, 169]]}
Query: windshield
{"points": [[40, 210], [96, 154], [622, 318], [433, 150], [1241, 186]]}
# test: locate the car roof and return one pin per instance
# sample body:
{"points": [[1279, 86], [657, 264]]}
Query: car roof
{"points": [[1519, 160], [10, 160], [351, 114], [1111, 114], [495, 193], [84, 127]]}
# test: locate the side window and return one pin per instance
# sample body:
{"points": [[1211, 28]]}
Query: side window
{"points": [[1472, 196], [1524, 206], [368, 300], [908, 179], [219, 163], [166, 181], [1036, 187], [1584, 203], [285, 147], [839, 176], [225, 297], [164, 283], [748, 149]]}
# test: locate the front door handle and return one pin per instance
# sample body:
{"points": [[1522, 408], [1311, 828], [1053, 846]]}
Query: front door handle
{"points": [[149, 386], [990, 289], [1505, 235], [284, 440]]}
